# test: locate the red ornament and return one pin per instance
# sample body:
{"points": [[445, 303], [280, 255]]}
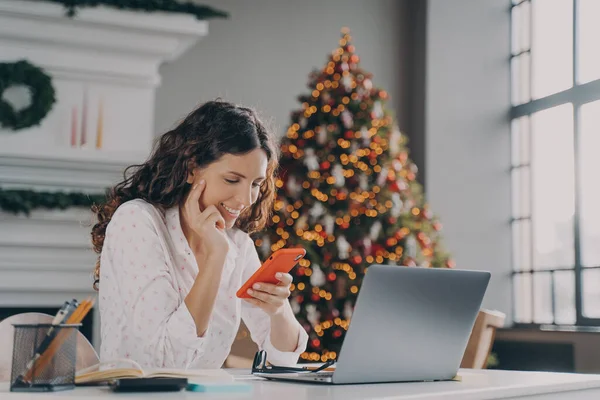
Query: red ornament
{"points": [[337, 333], [300, 299], [315, 297], [323, 234], [345, 225], [377, 248], [300, 143], [325, 165], [315, 342], [300, 272], [394, 187], [331, 276], [349, 135]]}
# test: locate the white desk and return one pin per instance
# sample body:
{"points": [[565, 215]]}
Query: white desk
{"points": [[475, 385]]}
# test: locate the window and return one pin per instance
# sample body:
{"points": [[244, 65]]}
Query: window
{"points": [[555, 136]]}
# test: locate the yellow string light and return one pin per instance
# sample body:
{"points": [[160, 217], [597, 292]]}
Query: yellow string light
{"points": [[308, 134], [304, 262]]}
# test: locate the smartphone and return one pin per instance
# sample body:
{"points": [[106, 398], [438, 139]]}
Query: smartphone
{"points": [[149, 384], [283, 260]]}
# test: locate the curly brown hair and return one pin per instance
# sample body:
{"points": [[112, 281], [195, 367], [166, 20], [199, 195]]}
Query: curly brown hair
{"points": [[207, 133]]}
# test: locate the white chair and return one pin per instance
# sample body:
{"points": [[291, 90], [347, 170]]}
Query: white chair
{"points": [[86, 355]]}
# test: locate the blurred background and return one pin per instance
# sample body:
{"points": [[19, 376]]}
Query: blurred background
{"points": [[498, 100]]}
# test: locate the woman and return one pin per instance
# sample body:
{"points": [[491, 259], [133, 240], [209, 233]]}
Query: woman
{"points": [[174, 247]]}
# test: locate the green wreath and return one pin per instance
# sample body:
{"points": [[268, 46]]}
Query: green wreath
{"points": [[42, 95]]}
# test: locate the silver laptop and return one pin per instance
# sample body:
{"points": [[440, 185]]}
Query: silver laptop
{"points": [[409, 324]]}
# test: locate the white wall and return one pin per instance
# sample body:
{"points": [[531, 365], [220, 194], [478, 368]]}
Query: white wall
{"points": [[467, 135], [261, 56]]}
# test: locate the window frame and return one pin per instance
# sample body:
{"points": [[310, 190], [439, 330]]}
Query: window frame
{"points": [[577, 95]]}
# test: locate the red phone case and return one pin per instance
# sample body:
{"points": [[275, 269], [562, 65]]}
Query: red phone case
{"points": [[283, 260]]}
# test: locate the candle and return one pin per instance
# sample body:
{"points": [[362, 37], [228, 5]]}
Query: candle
{"points": [[74, 127], [84, 119], [100, 127]]}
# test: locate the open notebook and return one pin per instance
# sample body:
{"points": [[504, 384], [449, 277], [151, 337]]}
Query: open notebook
{"points": [[108, 371]]}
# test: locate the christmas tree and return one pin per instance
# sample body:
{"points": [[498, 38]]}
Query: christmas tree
{"points": [[347, 194]]}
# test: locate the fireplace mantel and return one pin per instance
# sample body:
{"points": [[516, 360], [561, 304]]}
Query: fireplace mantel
{"points": [[102, 59]]}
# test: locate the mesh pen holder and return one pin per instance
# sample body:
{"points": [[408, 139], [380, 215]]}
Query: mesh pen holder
{"points": [[54, 349]]}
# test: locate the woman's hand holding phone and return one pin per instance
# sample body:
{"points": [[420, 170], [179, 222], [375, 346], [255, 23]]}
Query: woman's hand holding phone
{"points": [[208, 224], [269, 287], [271, 298]]}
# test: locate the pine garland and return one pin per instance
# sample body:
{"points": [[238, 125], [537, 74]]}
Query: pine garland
{"points": [[201, 12], [17, 201]]}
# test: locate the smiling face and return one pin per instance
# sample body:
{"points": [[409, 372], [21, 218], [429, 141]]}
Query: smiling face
{"points": [[232, 183]]}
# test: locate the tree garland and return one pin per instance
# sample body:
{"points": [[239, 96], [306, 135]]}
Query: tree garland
{"points": [[201, 12], [24, 201], [42, 94]]}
